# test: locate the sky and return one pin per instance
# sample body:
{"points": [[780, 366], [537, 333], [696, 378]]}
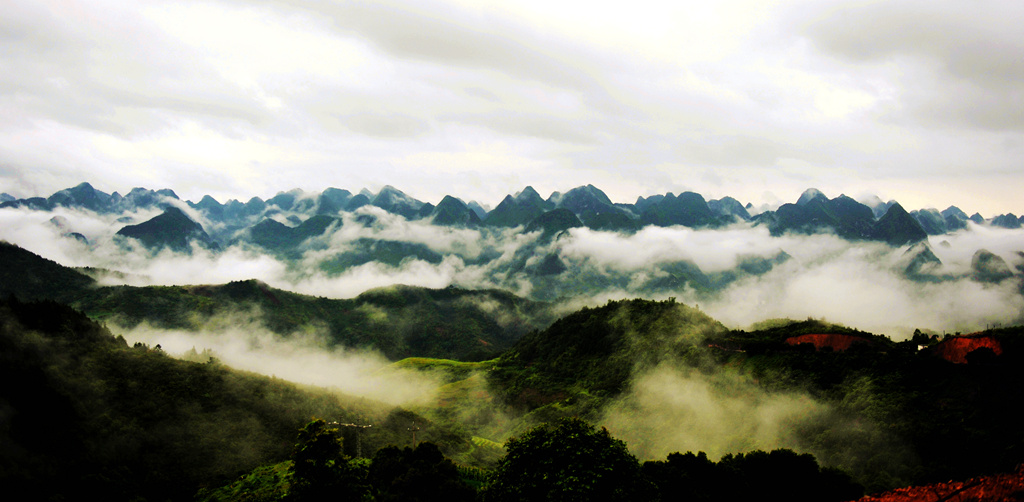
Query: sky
{"points": [[918, 101]]}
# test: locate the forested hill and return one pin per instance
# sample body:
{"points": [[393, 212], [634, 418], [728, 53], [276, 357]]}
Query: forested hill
{"points": [[399, 321], [599, 350], [896, 414], [86, 416]]}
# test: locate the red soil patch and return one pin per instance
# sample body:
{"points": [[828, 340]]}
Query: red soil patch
{"points": [[994, 488], [837, 343], [955, 349]]}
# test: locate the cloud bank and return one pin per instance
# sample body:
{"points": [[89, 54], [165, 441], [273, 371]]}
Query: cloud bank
{"points": [[240, 341]]}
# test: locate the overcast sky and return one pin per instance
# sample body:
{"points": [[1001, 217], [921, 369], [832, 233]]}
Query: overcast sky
{"points": [[919, 101]]}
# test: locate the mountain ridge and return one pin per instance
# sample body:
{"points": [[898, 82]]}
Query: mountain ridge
{"points": [[591, 205]]}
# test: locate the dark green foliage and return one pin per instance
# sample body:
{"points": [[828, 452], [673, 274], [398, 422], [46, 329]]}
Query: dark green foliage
{"points": [[32, 277], [269, 483], [86, 416], [401, 426], [414, 475], [321, 472], [920, 419], [756, 475], [595, 351], [569, 461], [400, 321]]}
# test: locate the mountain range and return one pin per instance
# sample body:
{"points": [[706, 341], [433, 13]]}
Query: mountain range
{"points": [[524, 244], [813, 212]]}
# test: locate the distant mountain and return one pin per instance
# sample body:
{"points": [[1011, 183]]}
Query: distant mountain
{"points": [[453, 212], [987, 266], [811, 217], [813, 211], [877, 205], [931, 221], [614, 222], [922, 262], [856, 220], [213, 209], [809, 195], [554, 222], [1008, 220], [142, 198], [357, 201], [845, 217], [955, 218], [276, 236], [171, 229], [897, 227], [481, 211], [395, 201], [519, 210], [332, 201], [593, 208], [83, 196], [729, 207], [688, 209]]}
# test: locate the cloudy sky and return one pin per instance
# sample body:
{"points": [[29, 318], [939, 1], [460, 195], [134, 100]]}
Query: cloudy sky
{"points": [[920, 101]]}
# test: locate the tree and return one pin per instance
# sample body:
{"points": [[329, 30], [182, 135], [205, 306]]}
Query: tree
{"points": [[420, 474], [319, 469], [569, 461]]}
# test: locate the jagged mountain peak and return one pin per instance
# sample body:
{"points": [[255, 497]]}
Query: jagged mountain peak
{"points": [[172, 229], [527, 194], [809, 195]]}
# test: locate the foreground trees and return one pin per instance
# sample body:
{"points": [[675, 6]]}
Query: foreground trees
{"points": [[567, 461], [570, 461], [321, 472]]}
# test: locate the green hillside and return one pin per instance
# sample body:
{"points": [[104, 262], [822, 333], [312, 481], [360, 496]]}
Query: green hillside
{"points": [[595, 351]]}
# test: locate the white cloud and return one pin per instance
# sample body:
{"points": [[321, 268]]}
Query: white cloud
{"points": [[239, 341]]}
